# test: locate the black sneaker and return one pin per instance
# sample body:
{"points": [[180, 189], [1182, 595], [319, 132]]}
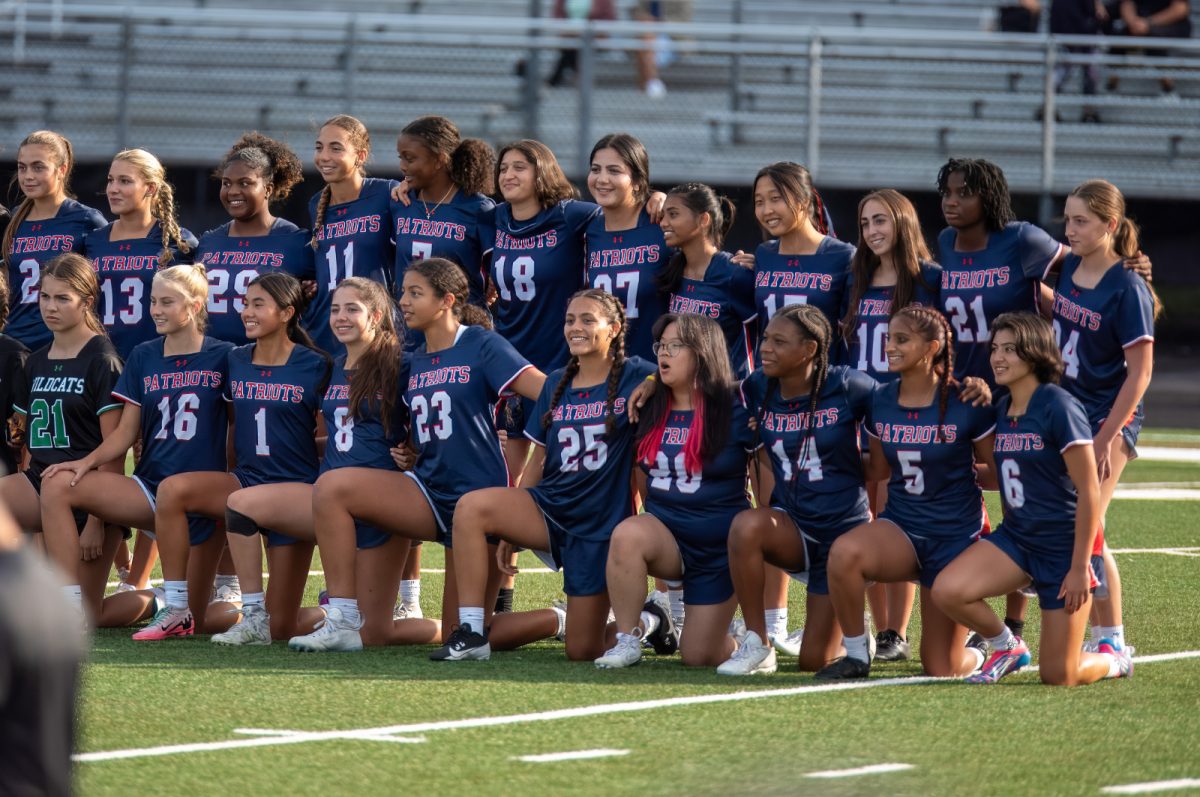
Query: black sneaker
{"points": [[844, 669], [463, 645], [665, 639], [890, 646], [978, 642]]}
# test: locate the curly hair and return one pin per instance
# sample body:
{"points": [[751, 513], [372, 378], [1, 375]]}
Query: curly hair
{"points": [[986, 180]]}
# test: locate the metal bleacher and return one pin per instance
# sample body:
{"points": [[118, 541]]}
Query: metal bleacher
{"points": [[867, 92]]}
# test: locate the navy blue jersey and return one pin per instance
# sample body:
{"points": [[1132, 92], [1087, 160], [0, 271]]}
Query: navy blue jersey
{"points": [[537, 264], [626, 263], [819, 279], [815, 457], [932, 490], [1037, 492], [184, 418], [458, 230], [585, 481], [232, 262], [865, 347], [1094, 326], [275, 415], [62, 400], [1003, 277], [354, 241], [726, 295], [13, 354], [451, 398], [126, 271], [357, 439], [34, 243], [688, 502]]}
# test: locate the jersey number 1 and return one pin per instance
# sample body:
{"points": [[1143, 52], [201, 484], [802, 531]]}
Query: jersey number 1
{"points": [[347, 270]]}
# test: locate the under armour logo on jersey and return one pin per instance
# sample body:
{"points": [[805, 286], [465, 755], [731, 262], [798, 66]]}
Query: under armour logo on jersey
{"points": [[618, 239], [36, 227], [435, 360], [264, 371], [58, 369], [125, 248], [180, 363], [913, 416], [243, 243], [341, 211], [968, 261], [794, 262]]}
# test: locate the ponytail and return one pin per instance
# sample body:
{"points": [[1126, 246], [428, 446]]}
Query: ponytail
{"points": [[1105, 201], [699, 199]]}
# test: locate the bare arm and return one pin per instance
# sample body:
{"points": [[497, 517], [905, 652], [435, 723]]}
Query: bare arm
{"points": [[877, 468], [1140, 366], [985, 463], [120, 429], [1081, 467], [529, 383]]}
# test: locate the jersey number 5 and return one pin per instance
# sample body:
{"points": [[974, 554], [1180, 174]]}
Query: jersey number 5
{"points": [[587, 450]]}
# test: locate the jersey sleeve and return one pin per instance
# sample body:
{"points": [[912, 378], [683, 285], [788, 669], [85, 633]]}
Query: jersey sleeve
{"points": [[751, 389], [102, 378], [534, 430], [304, 266], [1037, 250], [929, 288], [20, 388], [741, 292], [1135, 313], [860, 387], [982, 422], [93, 219], [1068, 422], [501, 363], [579, 215], [745, 437], [487, 228], [640, 367], [129, 384]]}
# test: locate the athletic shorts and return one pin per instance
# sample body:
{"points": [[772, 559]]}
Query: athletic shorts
{"points": [[1129, 432], [200, 528], [443, 511], [1045, 567], [934, 553], [582, 562], [815, 572]]}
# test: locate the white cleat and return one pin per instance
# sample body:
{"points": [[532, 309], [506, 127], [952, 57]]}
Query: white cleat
{"points": [[626, 653], [228, 594], [334, 634], [407, 611], [752, 657], [789, 645], [253, 629]]}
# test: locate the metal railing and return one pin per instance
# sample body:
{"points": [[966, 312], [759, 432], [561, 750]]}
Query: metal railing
{"points": [[720, 68]]}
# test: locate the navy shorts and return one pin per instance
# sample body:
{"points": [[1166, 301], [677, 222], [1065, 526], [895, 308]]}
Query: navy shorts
{"points": [[815, 572], [1129, 432], [369, 536], [706, 579], [934, 553], [443, 511], [582, 562], [1045, 567], [200, 528]]}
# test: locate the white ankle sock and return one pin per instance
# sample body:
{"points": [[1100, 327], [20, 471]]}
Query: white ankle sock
{"points": [[856, 647], [348, 607], [228, 581], [472, 616], [410, 592], [675, 597], [1116, 633], [1002, 641], [777, 623], [254, 599], [177, 595]]}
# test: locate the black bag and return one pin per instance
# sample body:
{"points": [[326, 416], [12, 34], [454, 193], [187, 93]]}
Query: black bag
{"points": [[1017, 19]]}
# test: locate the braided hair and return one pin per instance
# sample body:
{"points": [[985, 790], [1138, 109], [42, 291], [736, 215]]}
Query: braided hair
{"points": [[813, 326], [614, 313], [932, 325], [986, 180], [162, 204], [360, 139]]}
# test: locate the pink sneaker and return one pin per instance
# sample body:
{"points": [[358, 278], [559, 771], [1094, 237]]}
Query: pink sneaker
{"points": [[167, 622]]}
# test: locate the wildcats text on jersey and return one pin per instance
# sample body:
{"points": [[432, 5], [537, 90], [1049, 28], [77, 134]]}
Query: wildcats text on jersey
{"points": [[175, 380], [265, 391], [904, 434], [57, 384], [430, 228]]}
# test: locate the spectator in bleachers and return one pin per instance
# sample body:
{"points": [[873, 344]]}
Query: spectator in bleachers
{"points": [[657, 46], [1159, 19], [1021, 17], [591, 10], [1078, 18]]}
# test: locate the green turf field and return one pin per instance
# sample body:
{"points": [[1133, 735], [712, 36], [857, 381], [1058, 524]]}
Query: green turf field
{"points": [[448, 728]]}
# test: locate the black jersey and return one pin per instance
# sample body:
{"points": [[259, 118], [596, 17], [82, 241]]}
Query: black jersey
{"points": [[63, 400], [12, 364]]}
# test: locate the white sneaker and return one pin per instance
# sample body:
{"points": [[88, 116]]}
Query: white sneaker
{"points": [[226, 593], [655, 89], [789, 645], [407, 611], [751, 658], [626, 653], [253, 629], [125, 586], [333, 634], [561, 613], [737, 629]]}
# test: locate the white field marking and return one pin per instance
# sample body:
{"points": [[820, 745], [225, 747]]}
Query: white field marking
{"points": [[1161, 454], [541, 716], [575, 755], [1153, 786], [158, 582], [1138, 493], [1184, 551], [872, 769], [357, 737]]}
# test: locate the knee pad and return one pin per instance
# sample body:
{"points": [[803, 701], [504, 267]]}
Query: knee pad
{"points": [[241, 524]]}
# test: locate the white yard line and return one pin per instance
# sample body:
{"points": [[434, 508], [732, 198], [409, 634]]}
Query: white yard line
{"points": [[1162, 454], [575, 755], [297, 737], [1182, 551], [872, 769], [1153, 786], [1135, 492]]}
